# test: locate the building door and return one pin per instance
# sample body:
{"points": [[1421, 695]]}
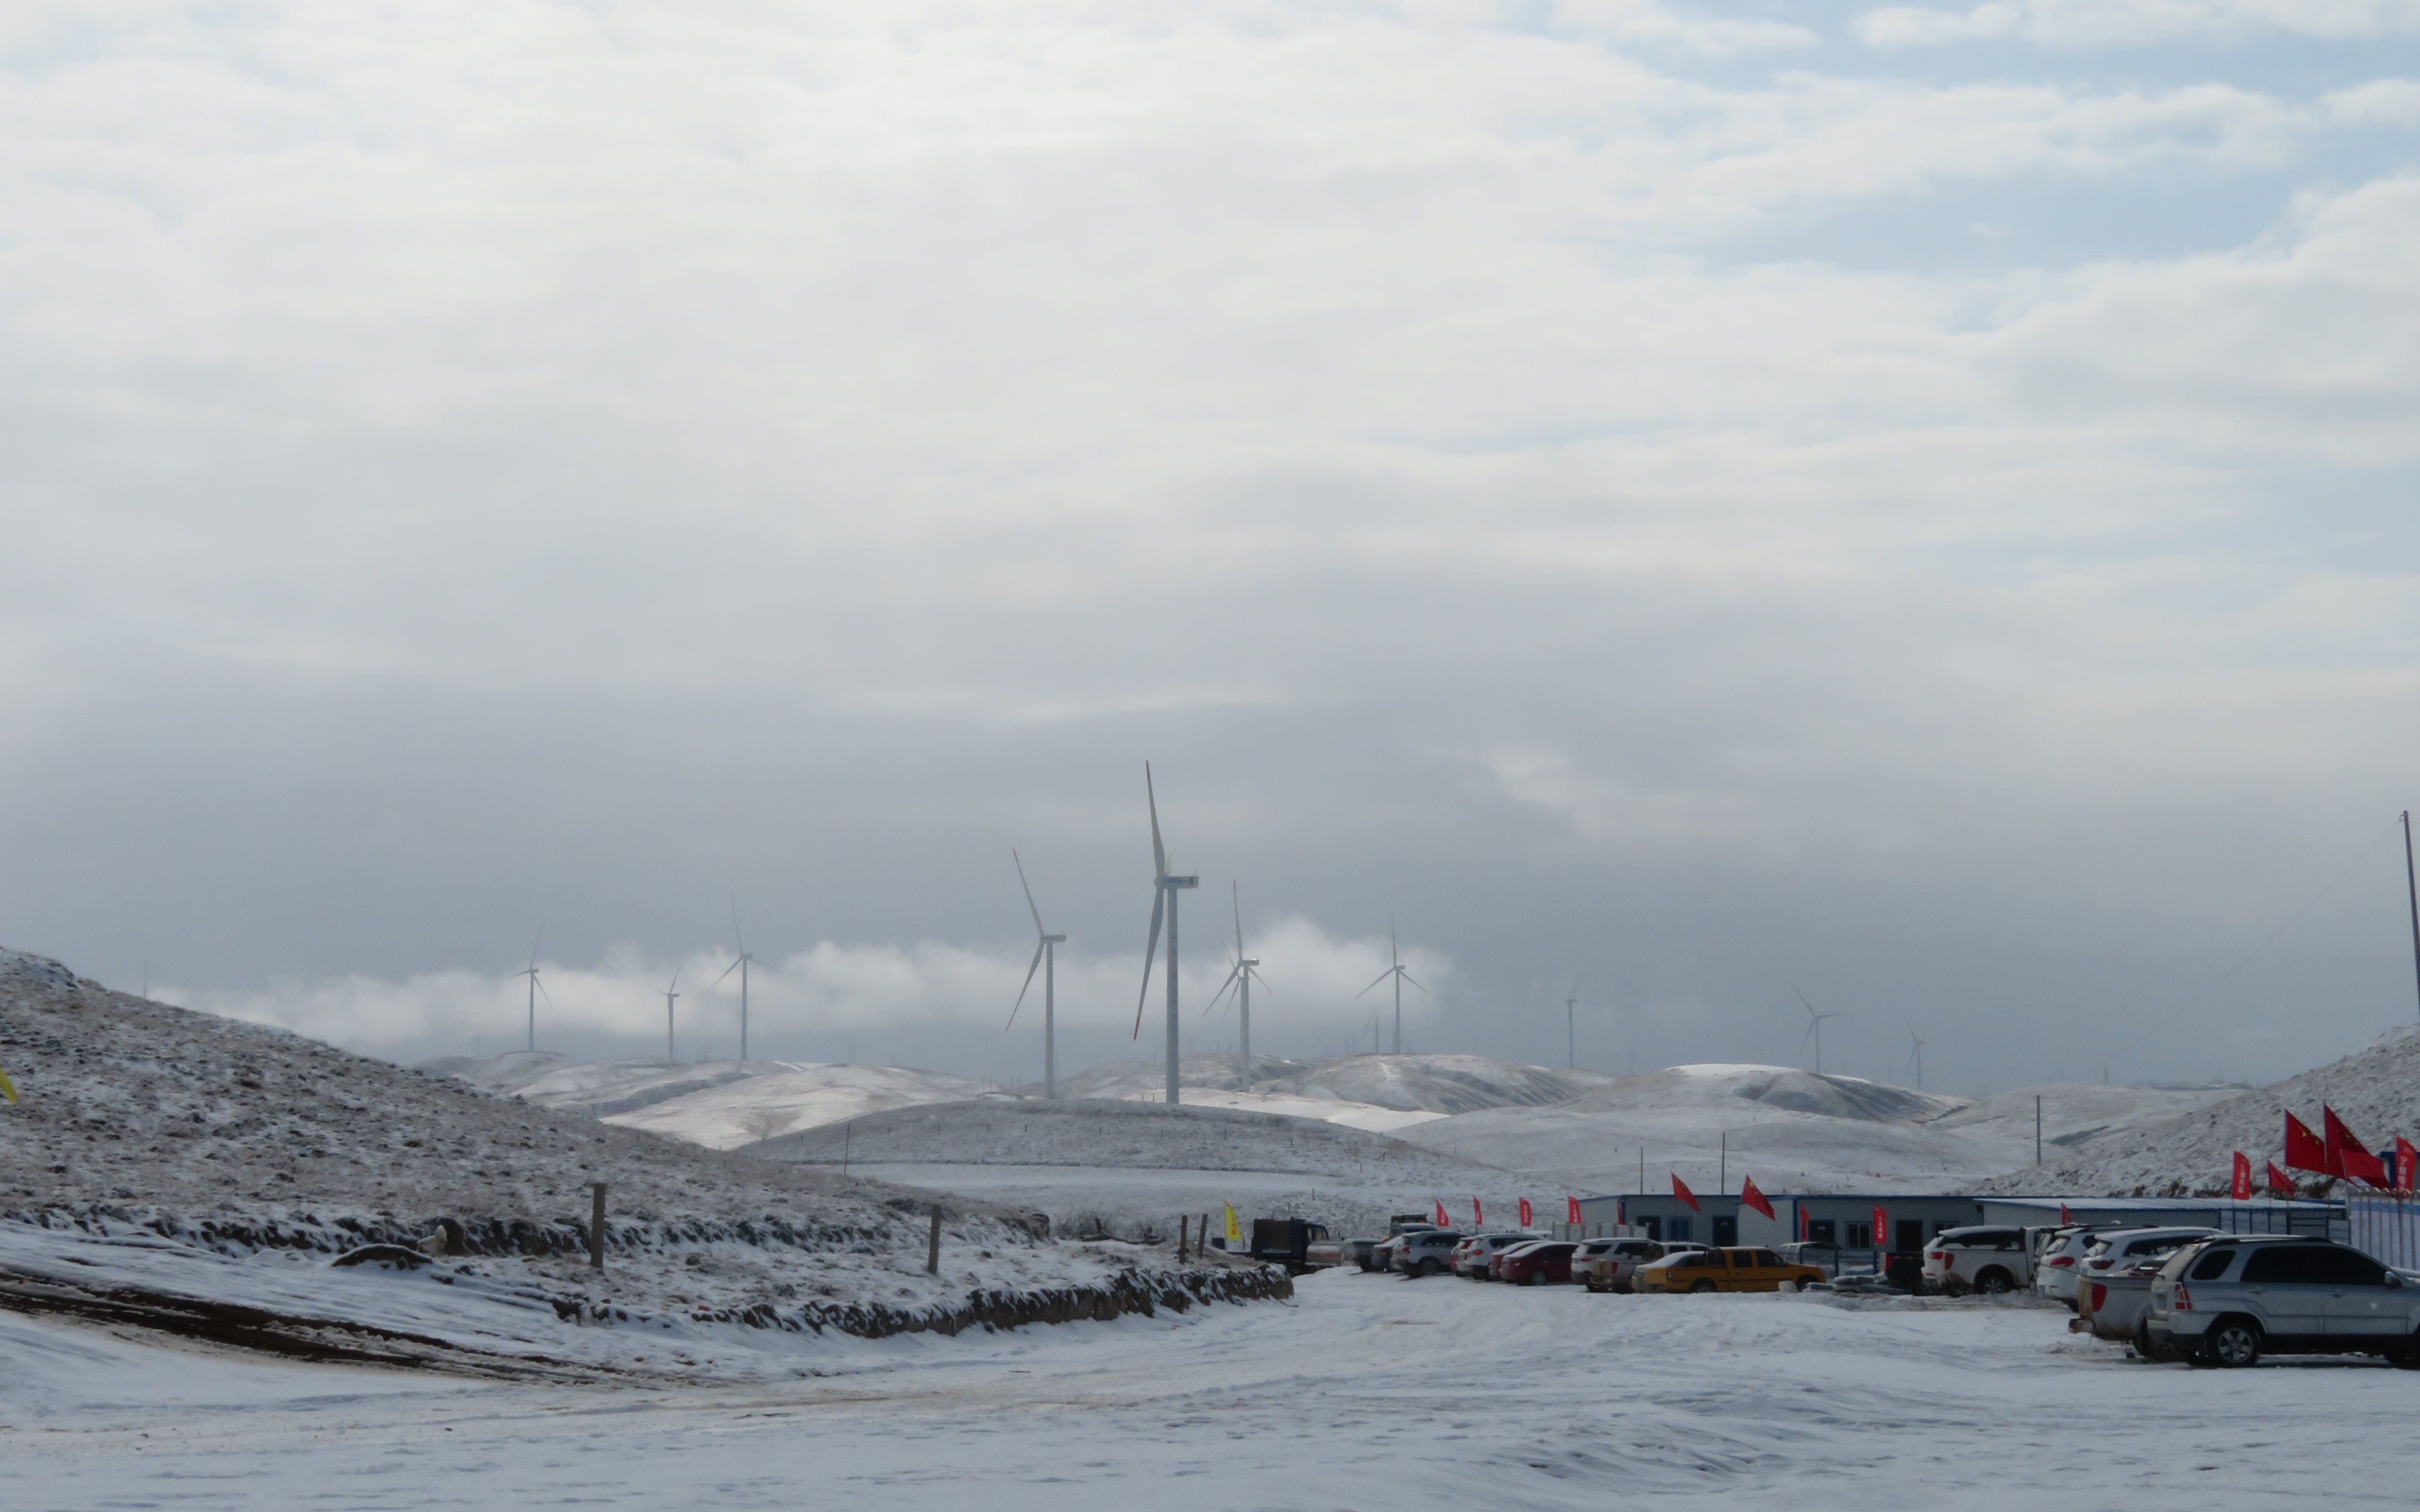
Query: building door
{"points": [[1725, 1229], [1654, 1226], [1911, 1236]]}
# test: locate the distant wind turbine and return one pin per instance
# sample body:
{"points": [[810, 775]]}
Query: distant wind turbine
{"points": [[1163, 900], [1918, 1046], [531, 972], [741, 965], [1240, 977], [1401, 975], [1570, 1026], [1815, 1030], [1045, 957], [670, 1054]]}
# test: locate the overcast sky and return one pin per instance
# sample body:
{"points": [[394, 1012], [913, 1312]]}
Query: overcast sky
{"points": [[1911, 505]]}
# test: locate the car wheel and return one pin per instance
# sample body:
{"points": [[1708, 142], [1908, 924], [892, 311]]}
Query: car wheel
{"points": [[2233, 1343], [1534, 1278], [1431, 1267], [1701, 1286], [1993, 1282]]}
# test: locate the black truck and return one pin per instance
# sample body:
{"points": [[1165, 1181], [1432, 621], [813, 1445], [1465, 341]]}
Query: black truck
{"points": [[1286, 1242]]}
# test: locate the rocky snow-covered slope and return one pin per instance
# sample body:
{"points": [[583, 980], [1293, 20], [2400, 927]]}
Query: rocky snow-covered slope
{"points": [[144, 1124], [2377, 1091]]}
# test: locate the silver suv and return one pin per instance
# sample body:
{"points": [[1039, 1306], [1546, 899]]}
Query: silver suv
{"points": [[2233, 1299], [1428, 1252]]}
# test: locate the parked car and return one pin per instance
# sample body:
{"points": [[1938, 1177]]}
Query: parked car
{"points": [[2231, 1300], [1357, 1252], [1382, 1253], [1472, 1257], [1723, 1270], [1591, 1250], [2060, 1253], [1979, 1258], [2117, 1251], [1427, 1252], [1616, 1270], [1541, 1263]]}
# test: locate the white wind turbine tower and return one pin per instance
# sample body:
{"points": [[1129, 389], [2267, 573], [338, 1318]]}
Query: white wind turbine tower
{"points": [[1163, 900], [670, 1054], [1401, 975], [1918, 1047], [741, 965], [1571, 1027], [1045, 957], [531, 972], [1240, 977], [1815, 1030]]}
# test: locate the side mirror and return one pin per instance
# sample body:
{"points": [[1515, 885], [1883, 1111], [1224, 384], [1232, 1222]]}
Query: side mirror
{"points": [[2394, 1280]]}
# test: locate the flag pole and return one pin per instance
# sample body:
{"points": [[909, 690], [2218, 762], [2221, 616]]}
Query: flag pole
{"points": [[2411, 893]]}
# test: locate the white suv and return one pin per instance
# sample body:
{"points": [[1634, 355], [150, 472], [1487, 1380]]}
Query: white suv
{"points": [[1985, 1259], [2060, 1258]]}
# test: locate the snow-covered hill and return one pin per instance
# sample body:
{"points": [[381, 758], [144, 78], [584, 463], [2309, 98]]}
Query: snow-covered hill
{"points": [[157, 1133], [1408, 1083], [719, 1104], [1131, 1165], [1791, 1129], [2377, 1091]]}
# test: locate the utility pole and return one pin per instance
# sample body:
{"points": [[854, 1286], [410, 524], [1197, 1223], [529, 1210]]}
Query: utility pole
{"points": [[1723, 1178], [2411, 891], [2038, 1128]]}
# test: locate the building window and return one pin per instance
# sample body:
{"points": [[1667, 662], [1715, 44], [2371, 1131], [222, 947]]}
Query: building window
{"points": [[1822, 1231], [1676, 1228], [1861, 1236]]}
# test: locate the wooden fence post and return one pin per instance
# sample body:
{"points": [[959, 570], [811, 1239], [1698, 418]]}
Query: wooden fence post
{"points": [[596, 1226], [933, 1249]]}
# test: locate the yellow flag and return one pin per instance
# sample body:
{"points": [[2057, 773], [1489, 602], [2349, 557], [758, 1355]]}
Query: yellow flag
{"points": [[8, 1091], [1234, 1229]]}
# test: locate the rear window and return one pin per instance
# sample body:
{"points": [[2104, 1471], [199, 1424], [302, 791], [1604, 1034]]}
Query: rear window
{"points": [[2213, 1265]]}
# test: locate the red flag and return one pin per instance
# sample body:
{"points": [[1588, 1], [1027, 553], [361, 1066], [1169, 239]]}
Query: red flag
{"points": [[1802, 1218], [1751, 1197], [1478, 1219], [2241, 1190], [1575, 1205], [1881, 1228], [2279, 1180], [2345, 1156], [2407, 1164], [1525, 1212], [1681, 1190], [1441, 1223], [2304, 1151], [2065, 1217]]}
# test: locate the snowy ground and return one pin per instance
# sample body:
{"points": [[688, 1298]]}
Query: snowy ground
{"points": [[1365, 1392]]}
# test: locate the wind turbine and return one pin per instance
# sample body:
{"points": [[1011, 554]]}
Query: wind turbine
{"points": [[741, 966], [670, 1054], [1815, 1030], [1045, 956], [1163, 900], [1919, 1054], [531, 972], [1401, 975], [1571, 1027], [1240, 978]]}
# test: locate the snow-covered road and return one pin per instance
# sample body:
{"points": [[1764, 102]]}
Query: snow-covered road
{"points": [[1367, 1392]]}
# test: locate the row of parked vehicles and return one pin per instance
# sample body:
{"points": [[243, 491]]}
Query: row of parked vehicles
{"points": [[1524, 1257], [2172, 1293]]}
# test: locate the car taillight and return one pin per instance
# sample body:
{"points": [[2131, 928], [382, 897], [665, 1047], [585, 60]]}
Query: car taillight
{"points": [[2185, 1298], [2063, 1260], [2099, 1295], [2097, 1265], [1941, 1256]]}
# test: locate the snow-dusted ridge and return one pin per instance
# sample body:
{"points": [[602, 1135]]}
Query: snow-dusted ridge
{"points": [[228, 1164]]}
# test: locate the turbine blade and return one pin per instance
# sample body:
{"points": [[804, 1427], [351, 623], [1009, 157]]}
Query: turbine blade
{"points": [[1150, 949], [537, 942], [1158, 852], [1802, 997], [1027, 988], [1416, 982], [675, 982], [735, 937], [1262, 981], [1235, 893], [543, 993], [1382, 977], [1808, 1035], [1029, 891], [1221, 992], [726, 971]]}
